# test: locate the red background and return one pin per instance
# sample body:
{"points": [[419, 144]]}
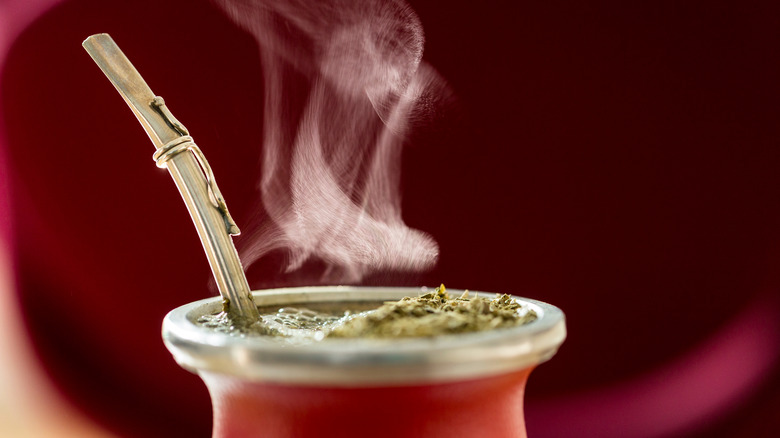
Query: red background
{"points": [[619, 160]]}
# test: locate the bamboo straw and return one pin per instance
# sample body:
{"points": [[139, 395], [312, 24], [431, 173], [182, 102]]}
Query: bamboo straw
{"points": [[190, 171]]}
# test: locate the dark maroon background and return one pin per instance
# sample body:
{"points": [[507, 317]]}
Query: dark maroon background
{"points": [[619, 160]]}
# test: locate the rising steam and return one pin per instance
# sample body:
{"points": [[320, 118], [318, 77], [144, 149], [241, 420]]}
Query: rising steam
{"points": [[343, 81]]}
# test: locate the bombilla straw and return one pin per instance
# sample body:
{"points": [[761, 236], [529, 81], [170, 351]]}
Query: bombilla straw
{"points": [[189, 169]]}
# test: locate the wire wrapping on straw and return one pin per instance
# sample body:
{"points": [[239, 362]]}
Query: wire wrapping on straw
{"points": [[185, 143], [173, 148]]}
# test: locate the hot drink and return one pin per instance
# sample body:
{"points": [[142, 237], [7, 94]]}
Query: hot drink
{"points": [[467, 384]]}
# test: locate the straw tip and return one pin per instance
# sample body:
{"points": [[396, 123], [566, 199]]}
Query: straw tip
{"points": [[97, 36]]}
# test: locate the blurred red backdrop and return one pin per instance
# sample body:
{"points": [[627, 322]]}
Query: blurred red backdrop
{"points": [[617, 159]]}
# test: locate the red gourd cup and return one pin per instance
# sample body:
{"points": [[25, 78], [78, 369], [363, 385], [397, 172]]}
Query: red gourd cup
{"points": [[465, 385]]}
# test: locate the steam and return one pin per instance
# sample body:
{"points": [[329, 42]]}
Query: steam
{"points": [[344, 82]]}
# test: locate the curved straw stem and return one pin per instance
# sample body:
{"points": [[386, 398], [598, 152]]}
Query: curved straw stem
{"points": [[190, 171]]}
